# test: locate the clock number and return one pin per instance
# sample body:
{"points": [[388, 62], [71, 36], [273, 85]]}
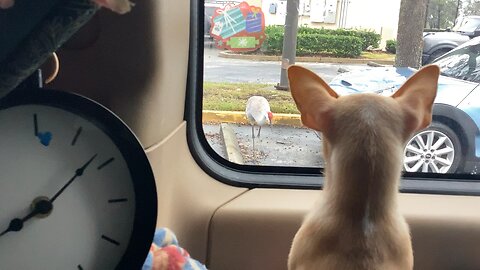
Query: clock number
{"points": [[110, 240], [79, 130], [110, 160]]}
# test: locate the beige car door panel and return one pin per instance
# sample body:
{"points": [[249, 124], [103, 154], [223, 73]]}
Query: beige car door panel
{"points": [[254, 231]]}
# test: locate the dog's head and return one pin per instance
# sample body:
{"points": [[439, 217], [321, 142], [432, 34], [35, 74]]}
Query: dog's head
{"points": [[357, 120]]}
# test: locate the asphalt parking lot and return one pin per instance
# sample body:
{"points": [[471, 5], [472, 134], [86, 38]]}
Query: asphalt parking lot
{"points": [[276, 146], [279, 145]]}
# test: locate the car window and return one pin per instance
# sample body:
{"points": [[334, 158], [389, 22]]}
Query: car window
{"points": [[463, 63], [455, 66], [468, 25], [242, 60]]}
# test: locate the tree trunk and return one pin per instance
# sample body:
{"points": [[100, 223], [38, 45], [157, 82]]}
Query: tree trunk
{"points": [[439, 11], [409, 34], [426, 16]]}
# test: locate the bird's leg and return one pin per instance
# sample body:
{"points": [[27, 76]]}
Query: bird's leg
{"points": [[260, 128], [254, 156], [253, 131]]}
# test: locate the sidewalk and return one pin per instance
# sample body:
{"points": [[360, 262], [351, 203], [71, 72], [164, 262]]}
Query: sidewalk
{"points": [[316, 59]]}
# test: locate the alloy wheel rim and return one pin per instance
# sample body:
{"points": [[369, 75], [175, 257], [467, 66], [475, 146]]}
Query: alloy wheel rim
{"points": [[429, 151]]}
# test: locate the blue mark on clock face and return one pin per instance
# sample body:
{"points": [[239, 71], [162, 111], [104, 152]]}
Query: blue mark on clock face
{"points": [[45, 137]]}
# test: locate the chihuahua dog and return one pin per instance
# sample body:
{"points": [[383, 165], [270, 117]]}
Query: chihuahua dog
{"points": [[356, 224]]}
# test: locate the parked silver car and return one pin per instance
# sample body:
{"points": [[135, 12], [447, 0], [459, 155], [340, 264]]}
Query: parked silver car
{"points": [[435, 44]]}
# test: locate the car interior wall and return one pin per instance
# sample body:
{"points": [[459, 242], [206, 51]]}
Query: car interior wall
{"points": [[445, 229], [187, 197], [137, 67]]}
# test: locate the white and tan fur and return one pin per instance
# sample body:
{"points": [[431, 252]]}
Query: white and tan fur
{"points": [[356, 224]]}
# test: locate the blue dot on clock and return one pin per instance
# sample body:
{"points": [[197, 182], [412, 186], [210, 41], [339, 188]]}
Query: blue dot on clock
{"points": [[45, 137]]}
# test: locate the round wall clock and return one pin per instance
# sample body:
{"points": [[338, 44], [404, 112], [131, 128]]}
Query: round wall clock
{"points": [[76, 188]]}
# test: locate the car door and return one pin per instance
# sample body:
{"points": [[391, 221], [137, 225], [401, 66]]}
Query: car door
{"points": [[149, 68]]}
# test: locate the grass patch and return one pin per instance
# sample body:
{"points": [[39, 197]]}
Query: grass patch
{"points": [[233, 97], [377, 55]]}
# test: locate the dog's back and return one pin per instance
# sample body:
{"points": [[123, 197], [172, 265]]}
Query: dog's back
{"points": [[356, 223]]}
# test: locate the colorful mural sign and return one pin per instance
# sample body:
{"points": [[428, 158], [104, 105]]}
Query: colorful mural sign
{"points": [[238, 27]]}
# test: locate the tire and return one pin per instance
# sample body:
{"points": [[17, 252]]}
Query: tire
{"points": [[437, 54], [435, 149]]}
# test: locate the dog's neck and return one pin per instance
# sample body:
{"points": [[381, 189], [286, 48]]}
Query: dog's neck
{"points": [[362, 178], [359, 188]]}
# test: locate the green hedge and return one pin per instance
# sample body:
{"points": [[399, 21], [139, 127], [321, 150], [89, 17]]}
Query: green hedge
{"points": [[338, 42], [273, 43], [313, 42], [391, 46], [273, 29], [342, 46], [369, 38]]}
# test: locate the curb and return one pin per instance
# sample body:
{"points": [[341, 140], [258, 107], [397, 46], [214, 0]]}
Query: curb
{"points": [[239, 118], [232, 149], [319, 59]]}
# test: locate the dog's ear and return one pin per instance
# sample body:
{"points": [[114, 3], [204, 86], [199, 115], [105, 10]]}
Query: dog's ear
{"points": [[416, 97], [314, 98]]}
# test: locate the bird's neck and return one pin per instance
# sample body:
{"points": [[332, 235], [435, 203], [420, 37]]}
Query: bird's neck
{"points": [[262, 120]]}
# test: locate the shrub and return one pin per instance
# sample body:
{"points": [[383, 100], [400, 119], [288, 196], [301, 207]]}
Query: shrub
{"points": [[341, 46], [391, 46], [273, 43], [369, 38], [272, 29], [315, 41]]}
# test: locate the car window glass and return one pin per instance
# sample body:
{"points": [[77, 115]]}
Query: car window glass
{"points": [[455, 66], [462, 63], [469, 25], [242, 51]]}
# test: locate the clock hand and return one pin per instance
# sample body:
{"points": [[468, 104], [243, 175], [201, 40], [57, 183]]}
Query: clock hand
{"points": [[43, 206], [78, 173]]}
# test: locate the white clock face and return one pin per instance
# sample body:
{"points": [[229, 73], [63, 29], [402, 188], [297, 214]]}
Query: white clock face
{"points": [[91, 222]]}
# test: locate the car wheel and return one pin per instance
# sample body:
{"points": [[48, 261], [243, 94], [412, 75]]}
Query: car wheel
{"points": [[437, 54], [435, 149]]}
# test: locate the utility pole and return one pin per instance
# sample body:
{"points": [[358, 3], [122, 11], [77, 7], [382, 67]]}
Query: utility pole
{"points": [[289, 42]]}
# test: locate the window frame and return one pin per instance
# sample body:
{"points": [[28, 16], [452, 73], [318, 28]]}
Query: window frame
{"points": [[251, 176]]}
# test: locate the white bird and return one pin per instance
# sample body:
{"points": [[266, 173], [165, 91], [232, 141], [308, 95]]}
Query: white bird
{"points": [[258, 114]]}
